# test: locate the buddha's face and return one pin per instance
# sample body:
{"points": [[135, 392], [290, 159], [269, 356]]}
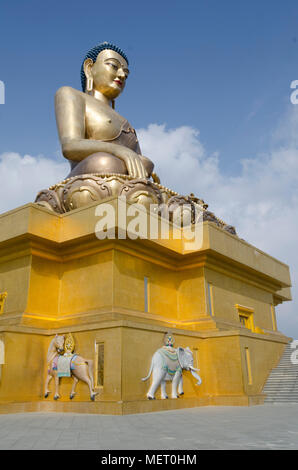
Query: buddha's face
{"points": [[109, 73]]}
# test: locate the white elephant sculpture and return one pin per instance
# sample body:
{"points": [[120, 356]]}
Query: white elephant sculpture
{"points": [[167, 364]]}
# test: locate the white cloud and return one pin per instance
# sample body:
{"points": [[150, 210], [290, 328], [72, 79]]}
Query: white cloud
{"points": [[261, 201], [22, 177]]}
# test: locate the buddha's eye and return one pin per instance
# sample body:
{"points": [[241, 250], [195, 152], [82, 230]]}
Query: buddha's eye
{"points": [[114, 66]]}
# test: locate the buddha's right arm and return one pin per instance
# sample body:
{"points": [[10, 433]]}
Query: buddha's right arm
{"points": [[70, 117], [78, 149]]}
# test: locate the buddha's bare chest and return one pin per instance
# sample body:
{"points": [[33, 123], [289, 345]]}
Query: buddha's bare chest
{"points": [[103, 123]]}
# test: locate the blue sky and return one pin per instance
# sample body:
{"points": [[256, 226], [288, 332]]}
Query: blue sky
{"points": [[209, 77], [221, 67]]}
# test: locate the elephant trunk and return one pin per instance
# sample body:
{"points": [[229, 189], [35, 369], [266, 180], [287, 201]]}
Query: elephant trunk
{"points": [[196, 376]]}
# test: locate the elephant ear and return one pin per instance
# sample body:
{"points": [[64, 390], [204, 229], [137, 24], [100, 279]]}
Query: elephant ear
{"points": [[181, 357]]}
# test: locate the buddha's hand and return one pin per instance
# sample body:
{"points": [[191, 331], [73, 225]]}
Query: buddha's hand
{"points": [[134, 164]]}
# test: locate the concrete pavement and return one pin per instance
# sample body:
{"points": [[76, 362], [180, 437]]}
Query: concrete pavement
{"points": [[256, 427]]}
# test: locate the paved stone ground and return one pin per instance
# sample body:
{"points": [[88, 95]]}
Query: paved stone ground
{"points": [[256, 427]]}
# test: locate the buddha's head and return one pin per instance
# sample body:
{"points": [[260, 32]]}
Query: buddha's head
{"points": [[105, 69]]}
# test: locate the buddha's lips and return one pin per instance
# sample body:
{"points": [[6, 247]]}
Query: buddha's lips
{"points": [[119, 82]]}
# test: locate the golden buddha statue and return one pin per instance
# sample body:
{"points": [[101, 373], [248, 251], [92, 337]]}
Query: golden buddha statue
{"points": [[93, 136], [102, 147]]}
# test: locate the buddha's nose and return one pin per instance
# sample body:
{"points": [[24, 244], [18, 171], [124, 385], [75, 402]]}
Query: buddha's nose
{"points": [[121, 73]]}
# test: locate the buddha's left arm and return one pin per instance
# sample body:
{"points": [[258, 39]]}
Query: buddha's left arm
{"points": [[148, 164]]}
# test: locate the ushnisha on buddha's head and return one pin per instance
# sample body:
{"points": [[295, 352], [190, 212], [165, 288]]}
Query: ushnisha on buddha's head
{"points": [[104, 70]]}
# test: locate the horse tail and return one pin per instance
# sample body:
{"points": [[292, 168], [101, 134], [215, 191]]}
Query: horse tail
{"points": [[150, 372]]}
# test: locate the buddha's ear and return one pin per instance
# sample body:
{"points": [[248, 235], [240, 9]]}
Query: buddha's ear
{"points": [[88, 67]]}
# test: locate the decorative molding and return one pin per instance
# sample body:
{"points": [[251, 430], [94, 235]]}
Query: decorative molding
{"points": [[246, 314], [2, 354], [245, 309], [2, 301]]}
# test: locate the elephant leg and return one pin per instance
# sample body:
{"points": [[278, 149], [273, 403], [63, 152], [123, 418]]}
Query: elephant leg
{"points": [[158, 376], [72, 393], [57, 380], [180, 386], [176, 380], [163, 390]]}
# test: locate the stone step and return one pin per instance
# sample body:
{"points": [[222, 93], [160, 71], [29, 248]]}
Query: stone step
{"points": [[276, 396], [280, 401], [275, 402], [287, 364], [277, 381], [281, 395], [282, 379], [290, 385], [282, 376], [282, 384], [287, 367], [286, 374], [280, 389], [287, 356]]}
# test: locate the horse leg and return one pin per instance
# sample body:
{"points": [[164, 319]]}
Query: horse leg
{"points": [[56, 396], [90, 370], [72, 393], [89, 383], [48, 379], [82, 373]]}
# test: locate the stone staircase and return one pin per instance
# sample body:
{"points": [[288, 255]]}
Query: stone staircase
{"points": [[282, 383]]}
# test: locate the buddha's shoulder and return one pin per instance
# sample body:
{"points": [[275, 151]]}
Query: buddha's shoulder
{"points": [[68, 92]]}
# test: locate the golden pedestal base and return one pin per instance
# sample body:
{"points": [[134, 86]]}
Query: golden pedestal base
{"points": [[120, 297], [128, 407]]}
